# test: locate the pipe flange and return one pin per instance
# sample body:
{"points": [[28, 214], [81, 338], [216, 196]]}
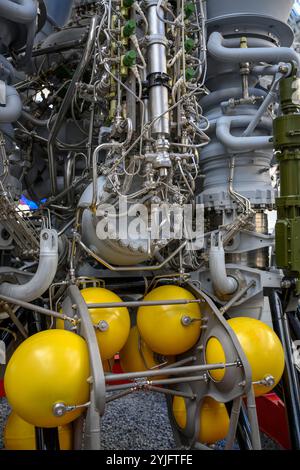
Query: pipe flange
{"points": [[157, 39]]}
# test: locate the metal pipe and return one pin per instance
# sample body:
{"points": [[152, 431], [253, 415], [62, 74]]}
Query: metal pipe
{"points": [[237, 297], [238, 55], [271, 96], [107, 145], [67, 100], [132, 268], [12, 109], [157, 65], [34, 120], [144, 386], [44, 275], [143, 303], [168, 391], [222, 283], [239, 142], [20, 11], [167, 371], [36, 308]]}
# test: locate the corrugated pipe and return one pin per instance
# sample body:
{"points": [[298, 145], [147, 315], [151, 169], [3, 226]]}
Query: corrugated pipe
{"points": [[44, 275], [270, 55], [20, 11]]}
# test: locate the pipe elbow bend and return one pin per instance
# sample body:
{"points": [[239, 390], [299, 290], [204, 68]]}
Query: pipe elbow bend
{"points": [[222, 283], [44, 275], [13, 108], [23, 12], [232, 142], [273, 55]]}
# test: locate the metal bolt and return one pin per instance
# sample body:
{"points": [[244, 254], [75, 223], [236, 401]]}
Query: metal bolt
{"points": [[59, 409], [186, 320], [103, 325]]}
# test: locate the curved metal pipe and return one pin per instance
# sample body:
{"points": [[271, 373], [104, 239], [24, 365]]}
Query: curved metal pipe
{"points": [[272, 55], [239, 142], [35, 121], [67, 100], [222, 283], [44, 275], [19, 11], [13, 108]]}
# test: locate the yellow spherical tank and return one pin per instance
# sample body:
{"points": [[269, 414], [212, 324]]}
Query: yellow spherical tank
{"points": [[262, 348], [131, 356], [20, 435], [114, 323], [167, 329], [49, 367], [213, 416], [215, 354]]}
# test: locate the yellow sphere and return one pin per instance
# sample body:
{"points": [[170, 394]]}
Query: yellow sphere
{"points": [[131, 357], [19, 435], [215, 354], [262, 348], [213, 416], [161, 326], [47, 368], [117, 320]]}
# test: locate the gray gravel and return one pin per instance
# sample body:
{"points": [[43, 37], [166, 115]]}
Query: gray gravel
{"points": [[4, 412], [127, 425]]}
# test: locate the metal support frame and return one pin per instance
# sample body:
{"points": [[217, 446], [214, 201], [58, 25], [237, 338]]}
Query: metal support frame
{"points": [[290, 379]]}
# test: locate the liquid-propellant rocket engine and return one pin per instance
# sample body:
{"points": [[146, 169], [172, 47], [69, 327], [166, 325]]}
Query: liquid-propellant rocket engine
{"points": [[149, 140]]}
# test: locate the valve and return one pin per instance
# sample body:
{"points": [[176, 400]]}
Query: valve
{"points": [[129, 58], [189, 9], [189, 45], [129, 28], [190, 73]]}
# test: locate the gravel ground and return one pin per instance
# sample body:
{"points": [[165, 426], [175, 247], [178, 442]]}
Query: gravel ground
{"points": [[127, 426]]}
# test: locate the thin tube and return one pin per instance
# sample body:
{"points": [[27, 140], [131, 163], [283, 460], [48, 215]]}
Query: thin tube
{"points": [[168, 371]]}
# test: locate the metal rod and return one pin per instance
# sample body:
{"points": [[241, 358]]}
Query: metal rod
{"points": [[116, 396], [15, 320], [167, 371], [37, 308], [180, 363], [237, 297], [168, 391], [143, 303], [144, 386], [132, 268]]}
